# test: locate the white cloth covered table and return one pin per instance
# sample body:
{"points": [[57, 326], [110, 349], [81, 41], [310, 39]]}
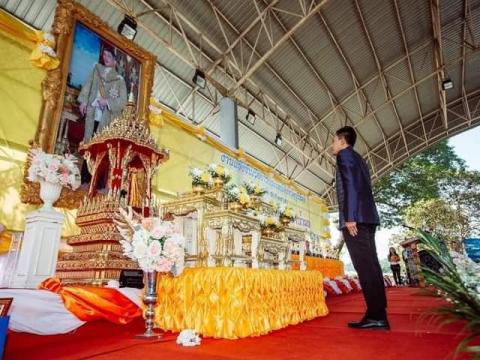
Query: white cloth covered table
{"points": [[42, 312]]}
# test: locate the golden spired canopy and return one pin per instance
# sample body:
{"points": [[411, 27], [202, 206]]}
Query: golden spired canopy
{"points": [[127, 127], [121, 159]]}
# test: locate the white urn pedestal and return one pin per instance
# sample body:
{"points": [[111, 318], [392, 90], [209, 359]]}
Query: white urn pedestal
{"points": [[38, 256]]}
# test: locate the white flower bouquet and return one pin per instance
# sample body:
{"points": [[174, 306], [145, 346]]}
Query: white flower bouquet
{"points": [[457, 281], [269, 222], [55, 169], [469, 273], [253, 188], [234, 193], [219, 171], [153, 243], [286, 212], [200, 177]]}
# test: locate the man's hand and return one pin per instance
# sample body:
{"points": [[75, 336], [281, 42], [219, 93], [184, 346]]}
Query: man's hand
{"points": [[352, 228], [83, 108]]}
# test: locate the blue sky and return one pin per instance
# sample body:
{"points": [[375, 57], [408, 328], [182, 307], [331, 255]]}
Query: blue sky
{"points": [[85, 53], [467, 145]]}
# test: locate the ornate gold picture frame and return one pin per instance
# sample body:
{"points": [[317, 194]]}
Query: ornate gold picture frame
{"points": [[5, 306], [60, 97]]}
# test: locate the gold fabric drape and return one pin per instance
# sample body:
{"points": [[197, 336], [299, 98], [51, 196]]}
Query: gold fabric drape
{"points": [[234, 303], [33, 38]]}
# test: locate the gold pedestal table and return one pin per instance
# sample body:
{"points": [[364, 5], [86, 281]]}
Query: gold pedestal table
{"points": [[225, 231]]}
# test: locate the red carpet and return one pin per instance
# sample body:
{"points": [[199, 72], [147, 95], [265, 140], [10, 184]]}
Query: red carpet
{"points": [[412, 337]]}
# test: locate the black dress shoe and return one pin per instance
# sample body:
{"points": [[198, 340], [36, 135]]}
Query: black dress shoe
{"points": [[355, 323], [370, 324]]}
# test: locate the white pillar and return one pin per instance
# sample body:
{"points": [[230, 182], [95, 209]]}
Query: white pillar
{"points": [[38, 256]]}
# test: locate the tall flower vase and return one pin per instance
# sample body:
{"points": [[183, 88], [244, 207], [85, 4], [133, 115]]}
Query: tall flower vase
{"points": [[49, 193], [150, 299]]}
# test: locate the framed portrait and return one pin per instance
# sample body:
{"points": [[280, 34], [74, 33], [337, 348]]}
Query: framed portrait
{"points": [[99, 72], [5, 304]]}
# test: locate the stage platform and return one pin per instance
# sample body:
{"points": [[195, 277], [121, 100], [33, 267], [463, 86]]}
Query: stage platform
{"points": [[323, 338]]}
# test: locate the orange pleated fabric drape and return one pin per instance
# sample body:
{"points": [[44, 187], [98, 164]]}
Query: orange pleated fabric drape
{"points": [[92, 303], [234, 303], [328, 267]]}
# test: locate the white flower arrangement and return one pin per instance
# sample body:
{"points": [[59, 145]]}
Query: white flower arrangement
{"points": [[286, 211], [220, 171], [200, 177], [469, 273], [188, 337], [269, 221], [153, 243], [235, 193], [55, 169], [253, 188]]}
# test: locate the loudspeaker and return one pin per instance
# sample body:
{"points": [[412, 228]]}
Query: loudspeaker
{"points": [[131, 278]]}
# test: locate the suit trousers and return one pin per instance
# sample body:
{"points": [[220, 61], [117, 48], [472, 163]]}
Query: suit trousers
{"points": [[365, 261]]}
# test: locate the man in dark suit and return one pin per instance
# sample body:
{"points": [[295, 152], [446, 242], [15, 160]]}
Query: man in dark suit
{"points": [[358, 220]]}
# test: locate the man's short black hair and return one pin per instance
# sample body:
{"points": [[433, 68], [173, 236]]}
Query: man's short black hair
{"points": [[348, 134]]}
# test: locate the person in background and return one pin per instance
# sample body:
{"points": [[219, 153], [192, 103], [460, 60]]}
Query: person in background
{"points": [[408, 279], [394, 261], [358, 221]]}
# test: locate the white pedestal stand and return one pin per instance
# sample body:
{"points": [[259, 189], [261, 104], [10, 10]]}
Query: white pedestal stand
{"points": [[38, 256]]}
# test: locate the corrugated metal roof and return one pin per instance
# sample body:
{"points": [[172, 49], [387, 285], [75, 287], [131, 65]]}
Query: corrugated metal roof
{"points": [[307, 78]]}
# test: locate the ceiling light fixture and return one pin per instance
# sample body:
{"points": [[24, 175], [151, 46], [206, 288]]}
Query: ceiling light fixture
{"points": [[128, 27], [250, 117], [278, 139], [447, 84], [199, 79]]}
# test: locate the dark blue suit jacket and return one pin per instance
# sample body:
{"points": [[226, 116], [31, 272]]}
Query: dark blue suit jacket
{"points": [[354, 189]]}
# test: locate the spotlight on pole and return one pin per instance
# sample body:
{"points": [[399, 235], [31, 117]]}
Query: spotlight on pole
{"points": [[250, 117], [199, 79], [278, 139], [447, 84], [128, 27]]}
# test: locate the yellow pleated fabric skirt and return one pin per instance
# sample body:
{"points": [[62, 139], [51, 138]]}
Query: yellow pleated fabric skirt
{"points": [[234, 303]]}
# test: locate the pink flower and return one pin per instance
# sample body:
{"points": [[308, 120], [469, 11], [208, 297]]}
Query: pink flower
{"points": [[53, 167], [64, 178], [163, 265], [154, 249], [62, 169]]}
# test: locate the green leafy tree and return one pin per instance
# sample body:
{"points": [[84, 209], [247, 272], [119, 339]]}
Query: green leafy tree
{"points": [[422, 177], [446, 222], [462, 192]]}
